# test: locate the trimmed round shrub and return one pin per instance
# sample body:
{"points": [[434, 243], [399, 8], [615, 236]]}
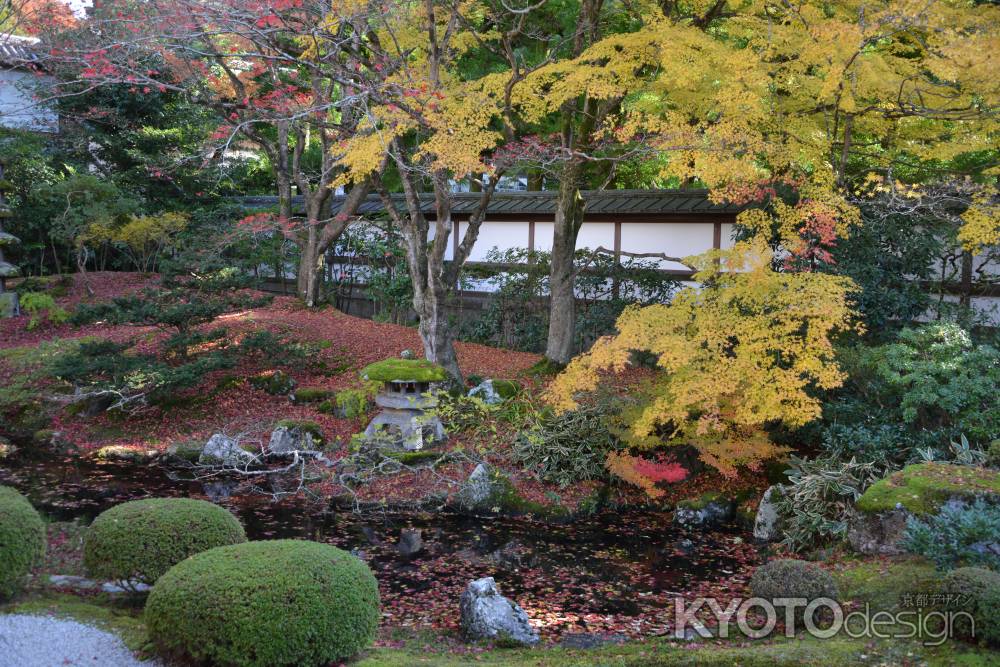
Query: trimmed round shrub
{"points": [[138, 541], [275, 602], [22, 540], [974, 590], [790, 578]]}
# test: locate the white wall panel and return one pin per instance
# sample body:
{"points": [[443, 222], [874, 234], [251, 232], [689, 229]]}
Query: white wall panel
{"points": [[677, 239]]}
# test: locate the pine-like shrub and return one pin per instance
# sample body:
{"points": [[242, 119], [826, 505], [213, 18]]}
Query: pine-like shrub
{"points": [[138, 541], [279, 602], [974, 590], [22, 540]]}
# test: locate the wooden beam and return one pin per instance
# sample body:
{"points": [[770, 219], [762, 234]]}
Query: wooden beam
{"points": [[717, 235]]}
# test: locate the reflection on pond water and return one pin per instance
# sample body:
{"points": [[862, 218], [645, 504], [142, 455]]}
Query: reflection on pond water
{"points": [[611, 572]]}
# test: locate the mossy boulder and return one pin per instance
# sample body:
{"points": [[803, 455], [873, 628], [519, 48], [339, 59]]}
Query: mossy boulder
{"points": [[22, 540], [279, 602], [138, 541], [922, 488], [126, 454], [404, 370], [185, 450], [709, 509], [506, 388], [791, 578]]}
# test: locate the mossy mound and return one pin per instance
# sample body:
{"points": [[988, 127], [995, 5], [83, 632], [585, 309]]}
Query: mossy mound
{"points": [[276, 383], [311, 395], [922, 488], [139, 541], [404, 370], [506, 388], [278, 602], [976, 592], [22, 540]]}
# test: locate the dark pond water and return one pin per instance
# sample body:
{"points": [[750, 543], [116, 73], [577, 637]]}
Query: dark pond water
{"points": [[612, 572]]}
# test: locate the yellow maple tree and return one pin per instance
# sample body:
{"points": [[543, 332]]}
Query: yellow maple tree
{"points": [[745, 350]]}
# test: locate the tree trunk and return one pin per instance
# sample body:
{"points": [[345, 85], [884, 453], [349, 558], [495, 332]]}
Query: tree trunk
{"points": [[310, 271], [436, 334], [562, 299], [965, 284]]}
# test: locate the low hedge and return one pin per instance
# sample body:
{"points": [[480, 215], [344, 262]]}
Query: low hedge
{"points": [[276, 602], [139, 541], [22, 540]]}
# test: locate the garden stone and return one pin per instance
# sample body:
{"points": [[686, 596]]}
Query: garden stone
{"points": [[766, 527], [411, 542], [285, 440], [485, 614], [481, 489], [9, 305], [91, 406], [704, 512], [218, 491], [878, 533], [223, 449], [485, 392]]}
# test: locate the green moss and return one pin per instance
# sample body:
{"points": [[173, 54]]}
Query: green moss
{"points": [[404, 370], [415, 458], [22, 540], [311, 395], [547, 367], [352, 403], [280, 602], [506, 388], [127, 454], [229, 381], [883, 584], [702, 501], [140, 540], [124, 621], [923, 487], [305, 426]]}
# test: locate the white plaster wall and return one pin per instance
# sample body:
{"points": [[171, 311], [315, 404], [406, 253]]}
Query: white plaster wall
{"points": [[592, 235], [18, 106], [502, 235], [677, 239]]}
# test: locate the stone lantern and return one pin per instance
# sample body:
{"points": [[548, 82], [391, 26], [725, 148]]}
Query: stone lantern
{"points": [[407, 419]]}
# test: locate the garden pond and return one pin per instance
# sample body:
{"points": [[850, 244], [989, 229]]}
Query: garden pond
{"points": [[608, 574]]}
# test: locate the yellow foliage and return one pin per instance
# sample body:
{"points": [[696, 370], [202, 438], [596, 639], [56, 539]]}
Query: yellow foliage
{"points": [[745, 350], [982, 223], [142, 237]]}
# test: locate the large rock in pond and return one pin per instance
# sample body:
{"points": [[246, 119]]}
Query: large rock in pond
{"points": [[767, 524], [485, 614], [711, 509], [484, 489], [221, 449]]}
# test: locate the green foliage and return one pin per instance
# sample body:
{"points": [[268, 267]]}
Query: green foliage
{"points": [[976, 591], [569, 447], [140, 540], [41, 306], [259, 604], [922, 488], [22, 540], [404, 370], [353, 403], [506, 388], [276, 383], [311, 395], [930, 388], [789, 578], [959, 534], [516, 315], [993, 454], [818, 499]]}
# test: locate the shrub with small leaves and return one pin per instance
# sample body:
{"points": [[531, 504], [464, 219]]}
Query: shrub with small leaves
{"points": [[42, 307], [22, 540], [260, 604], [975, 591], [137, 541], [790, 578], [960, 534]]}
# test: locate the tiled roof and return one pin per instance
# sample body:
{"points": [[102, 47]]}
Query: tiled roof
{"points": [[598, 202], [16, 51]]}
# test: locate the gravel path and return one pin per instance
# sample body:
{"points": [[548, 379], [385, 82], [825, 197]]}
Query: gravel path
{"points": [[44, 641]]}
